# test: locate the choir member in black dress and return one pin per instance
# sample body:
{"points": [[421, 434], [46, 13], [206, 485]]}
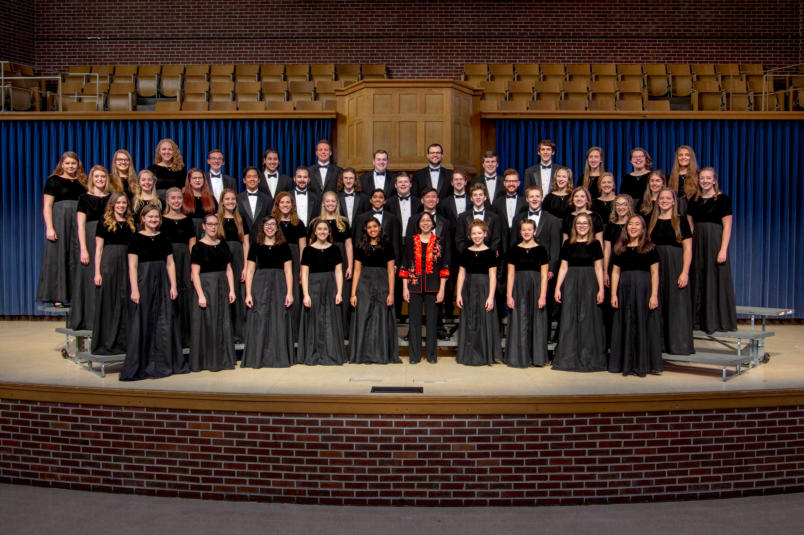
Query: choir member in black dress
{"points": [[373, 336], [579, 289], [122, 175], [269, 296], [352, 199], [557, 202], [321, 330], [479, 335], [295, 233], [526, 296], [636, 181], [60, 200], [235, 234], [110, 326], [581, 204], [91, 207], [144, 193], [253, 204], [168, 166], [592, 171], [391, 224], [154, 342], [211, 341], [424, 272], [603, 204], [683, 177], [342, 238], [636, 332], [671, 235], [615, 225], [710, 215], [198, 201], [179, 230], [645, 205]]}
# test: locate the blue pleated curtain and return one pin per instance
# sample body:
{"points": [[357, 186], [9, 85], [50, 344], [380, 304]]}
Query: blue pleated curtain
{"points": [[759, 163], [31, 150]]}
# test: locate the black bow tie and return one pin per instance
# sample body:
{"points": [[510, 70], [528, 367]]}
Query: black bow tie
{"points": [[546, 166], [324, 166], [377, 212], [537, 213], [491, 177], [300, 192], [405, 198], [272, 175], [379, 173], [461, 196], [255, 194], [349, 194], [213, 175], [509, 196], [436, 169], [475, 212]]}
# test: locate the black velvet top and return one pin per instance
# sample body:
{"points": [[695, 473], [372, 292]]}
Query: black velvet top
{"points": [[178, 230], [477, 261], [556, 204], [92, 205], [376, 256], [269, 256], [530, 259], [150, 248], [631, 260], [603, 209], [167, 178], [211, 257], [321, 260], [612, 231], [339, 236], [293, 232], [230, 229], [663, 233], [581, 254], [634, 185], [63, 189], [711, 210]]}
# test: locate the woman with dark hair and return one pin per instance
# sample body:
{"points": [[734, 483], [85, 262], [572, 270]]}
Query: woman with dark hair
{"points": [[197, 200], [168, 166], [60, 200], [673, 239], [269, 295], [295, 233], [593, 170], [235, 234], [683, 177], [321, 330], [154, 341], [636, 181], [110, 326], [526, 296], [636, 332], [373, 337], [179, 230], [211, 342]]}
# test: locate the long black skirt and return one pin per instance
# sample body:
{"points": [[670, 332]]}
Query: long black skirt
{"points": [[238, 312], [346, 308], [154, 342], [676, 302], [82, 306], [479, 332], [581, 338], [636, 332], [528, 325], [714, 305], [269, 342], [186, 299], [296, 307], [321, 328], [373, 337], [58, 257], [211, 342], [110, 326]]}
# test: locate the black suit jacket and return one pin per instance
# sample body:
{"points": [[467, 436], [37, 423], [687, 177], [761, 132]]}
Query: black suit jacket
{"points": [[390, 225], [228, 182], [263, 208], [533, 175], [367, 183], [493, 238], [330, 184], [360, 205], [313, 204], [500, 207], [392, 204], [283, 183], [548, 234], [421, 181], [499, 189]]}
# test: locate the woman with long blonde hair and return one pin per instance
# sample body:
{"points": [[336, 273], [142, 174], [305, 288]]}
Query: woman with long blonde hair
{"points": [[342, 237], [122, 175], [683, 177], [235, 234], [295, 233], [592, 171]]}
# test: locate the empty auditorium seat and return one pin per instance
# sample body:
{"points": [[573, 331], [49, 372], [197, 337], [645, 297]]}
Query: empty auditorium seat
{"points": [[493, 92], [575, 89], [325, 89], [604, 71], [738, 96], [275, 105], [195, 91], [168, 106], [680, 79], [348, 73], [195, 105], [707, 95], [251, 105], [170, 80], [221, 92], [271, 72], [728, 70], [148, 80], [602, 105], [221, 73], [553, 72], [528, 72], [297, 72], [274, 91], [543, 105], [579, 71], [79, 106], [603, 94], [322, 71], [501, 71], [309, 105], [373, 71], [475, 72], [104, 72], [572, 104], [630, 72], [247, 72], [657, 80], [548, 90], [124, 73], [629, 105], [514, 105], [300, 90], [631, 90], [704, 72], [222, 105], [657, 105], [196, 73], [521, 91], [247, 91]]}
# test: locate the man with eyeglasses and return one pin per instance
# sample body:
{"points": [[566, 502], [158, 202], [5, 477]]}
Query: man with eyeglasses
{"points": [[434, 175], [215, 178]]}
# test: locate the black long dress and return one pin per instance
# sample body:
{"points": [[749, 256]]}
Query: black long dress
{"points": [[528, 325], [581, 337], [269, 330], [339, 238], [676, 302], [110, 326], [556, 204], [321, 329], [636, 333], [238, 265], [167, 178], [714, 305], [82, 307], [635, 185], [611, 232], [211, 342], [58, 257], [179, 232], [373, 337], [292, 235], [154, 341], [479, 333], [592, 188]]}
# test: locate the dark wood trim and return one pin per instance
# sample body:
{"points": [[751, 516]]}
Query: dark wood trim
{"points": [[707, 115], [151, 115]]}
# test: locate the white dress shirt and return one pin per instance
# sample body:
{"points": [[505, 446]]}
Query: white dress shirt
{"points": [[547, 177], [491, 186], [510, 209], [216, 181], [435, 174], [322, 171], [252, 202], [404, 210], [272, 179], [460, 203], [301, 205], [349, 200], [379, 180]]}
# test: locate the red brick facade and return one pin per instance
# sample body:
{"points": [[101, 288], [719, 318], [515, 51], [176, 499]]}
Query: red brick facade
{"points": [[404, 459]]}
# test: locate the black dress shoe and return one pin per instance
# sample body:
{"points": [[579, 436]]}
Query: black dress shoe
{"points": [[431, 360], [406, 337], [443, 334]]}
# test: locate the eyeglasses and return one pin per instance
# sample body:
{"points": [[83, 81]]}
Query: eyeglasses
{"points": [[621, 205], [212, 224], [121, 159]]}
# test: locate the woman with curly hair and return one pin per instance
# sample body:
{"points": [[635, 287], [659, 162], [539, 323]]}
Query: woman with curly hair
{"points": [[168, 166]]}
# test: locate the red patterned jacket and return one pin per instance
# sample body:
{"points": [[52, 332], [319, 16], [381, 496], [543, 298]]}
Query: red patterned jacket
{"points": [[436, 266]]}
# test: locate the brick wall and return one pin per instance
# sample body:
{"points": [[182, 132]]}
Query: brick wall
{"points": [[394, 460], [17, 31], [415, 38]]}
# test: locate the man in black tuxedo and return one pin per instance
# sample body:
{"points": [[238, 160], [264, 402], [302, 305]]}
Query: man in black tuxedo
{"points": [[490, 178], [352, 200], [215, 178], [509, 206], [379, 177], [457, 201], [308, 204], [478, 210], [323, 173], [542, 173], [404, 205], [390, 223], [253, 204], [271, 180], [433, 176]]}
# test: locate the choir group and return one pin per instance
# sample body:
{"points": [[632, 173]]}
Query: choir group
{"points": [[167, 258]]}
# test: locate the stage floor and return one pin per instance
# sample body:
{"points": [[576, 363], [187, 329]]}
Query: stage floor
{"points": [[29, 353]]}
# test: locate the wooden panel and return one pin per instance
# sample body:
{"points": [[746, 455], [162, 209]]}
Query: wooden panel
{"points": [[434, 104], [433, 133], [408, 145], [382, 134], [408, 103], [383, 103]]}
